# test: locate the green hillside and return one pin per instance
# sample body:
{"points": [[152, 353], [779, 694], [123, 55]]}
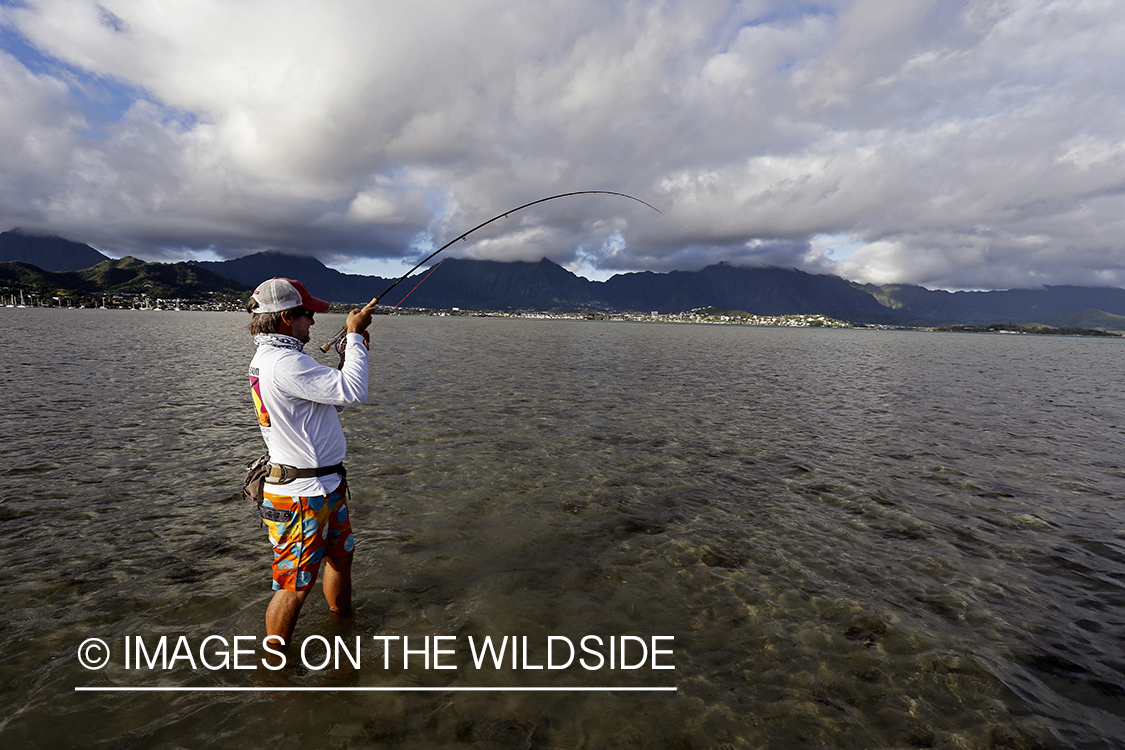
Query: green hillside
{"points": [[1095, 319], [125, 279]]}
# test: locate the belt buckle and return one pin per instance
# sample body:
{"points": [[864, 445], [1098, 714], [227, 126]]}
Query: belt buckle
{"points": [[278, 474]]}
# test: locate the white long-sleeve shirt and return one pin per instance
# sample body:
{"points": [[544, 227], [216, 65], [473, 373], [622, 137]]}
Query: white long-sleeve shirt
{"points": [[297, 399]]}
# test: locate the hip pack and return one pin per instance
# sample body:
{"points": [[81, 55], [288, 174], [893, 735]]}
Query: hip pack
{"points": [[262, 472], [253, 486]]}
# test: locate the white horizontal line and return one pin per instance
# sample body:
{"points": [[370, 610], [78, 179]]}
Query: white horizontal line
{"points": [[178, 689]]}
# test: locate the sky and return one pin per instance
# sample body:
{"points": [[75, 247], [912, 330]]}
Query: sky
{"points": [[955, 145]]}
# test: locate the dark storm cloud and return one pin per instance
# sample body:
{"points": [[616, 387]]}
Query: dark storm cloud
{"points": [[958, 144]]}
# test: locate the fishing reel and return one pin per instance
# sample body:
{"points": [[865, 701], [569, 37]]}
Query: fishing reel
{"points": [[341, 343]]}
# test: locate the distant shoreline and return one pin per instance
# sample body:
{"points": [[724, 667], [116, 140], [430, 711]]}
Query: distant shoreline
{"points": [[724, 317]]}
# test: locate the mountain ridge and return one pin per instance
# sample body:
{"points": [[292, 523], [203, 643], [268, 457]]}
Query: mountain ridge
{"points": [[547, 286], [46, 251], [544, 285]]}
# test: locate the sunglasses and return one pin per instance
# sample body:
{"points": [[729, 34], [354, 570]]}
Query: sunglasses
{"points": [[297, 312]]}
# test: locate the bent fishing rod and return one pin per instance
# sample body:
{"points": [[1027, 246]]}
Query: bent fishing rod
{"points": [[375, 300]]}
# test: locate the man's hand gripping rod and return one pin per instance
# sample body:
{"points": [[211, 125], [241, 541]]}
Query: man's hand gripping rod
{"points": [[344, 330], [482, 225], [375, 300]]}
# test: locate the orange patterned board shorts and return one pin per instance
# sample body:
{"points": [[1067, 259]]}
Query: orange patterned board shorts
{"points": [[318, 526]]}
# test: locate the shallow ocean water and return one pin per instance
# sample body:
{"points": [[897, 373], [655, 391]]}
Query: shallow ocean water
{"points": [[856, 538]]}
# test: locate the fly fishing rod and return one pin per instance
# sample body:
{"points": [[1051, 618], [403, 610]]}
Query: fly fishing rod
{"points": [[506, 214]]}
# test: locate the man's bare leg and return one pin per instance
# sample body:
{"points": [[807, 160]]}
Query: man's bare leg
{"points": [[338, 584], [281, 615]]}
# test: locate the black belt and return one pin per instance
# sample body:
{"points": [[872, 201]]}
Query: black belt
{"points": [[282, 474]]}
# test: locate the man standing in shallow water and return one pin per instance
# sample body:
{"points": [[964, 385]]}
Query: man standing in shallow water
{"points": [[297, 400]]}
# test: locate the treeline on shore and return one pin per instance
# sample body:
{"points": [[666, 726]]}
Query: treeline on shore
{"points": [[1041, 330]]}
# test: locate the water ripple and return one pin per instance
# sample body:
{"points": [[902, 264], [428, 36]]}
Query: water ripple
{"points": [[857, 538]]}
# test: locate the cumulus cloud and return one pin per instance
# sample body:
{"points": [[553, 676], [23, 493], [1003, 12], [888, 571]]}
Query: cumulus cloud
{"points": [[36, 142], [973, 144]]}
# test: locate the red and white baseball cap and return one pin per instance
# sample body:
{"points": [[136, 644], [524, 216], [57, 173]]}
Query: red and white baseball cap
{"points": [[277, 294]]}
